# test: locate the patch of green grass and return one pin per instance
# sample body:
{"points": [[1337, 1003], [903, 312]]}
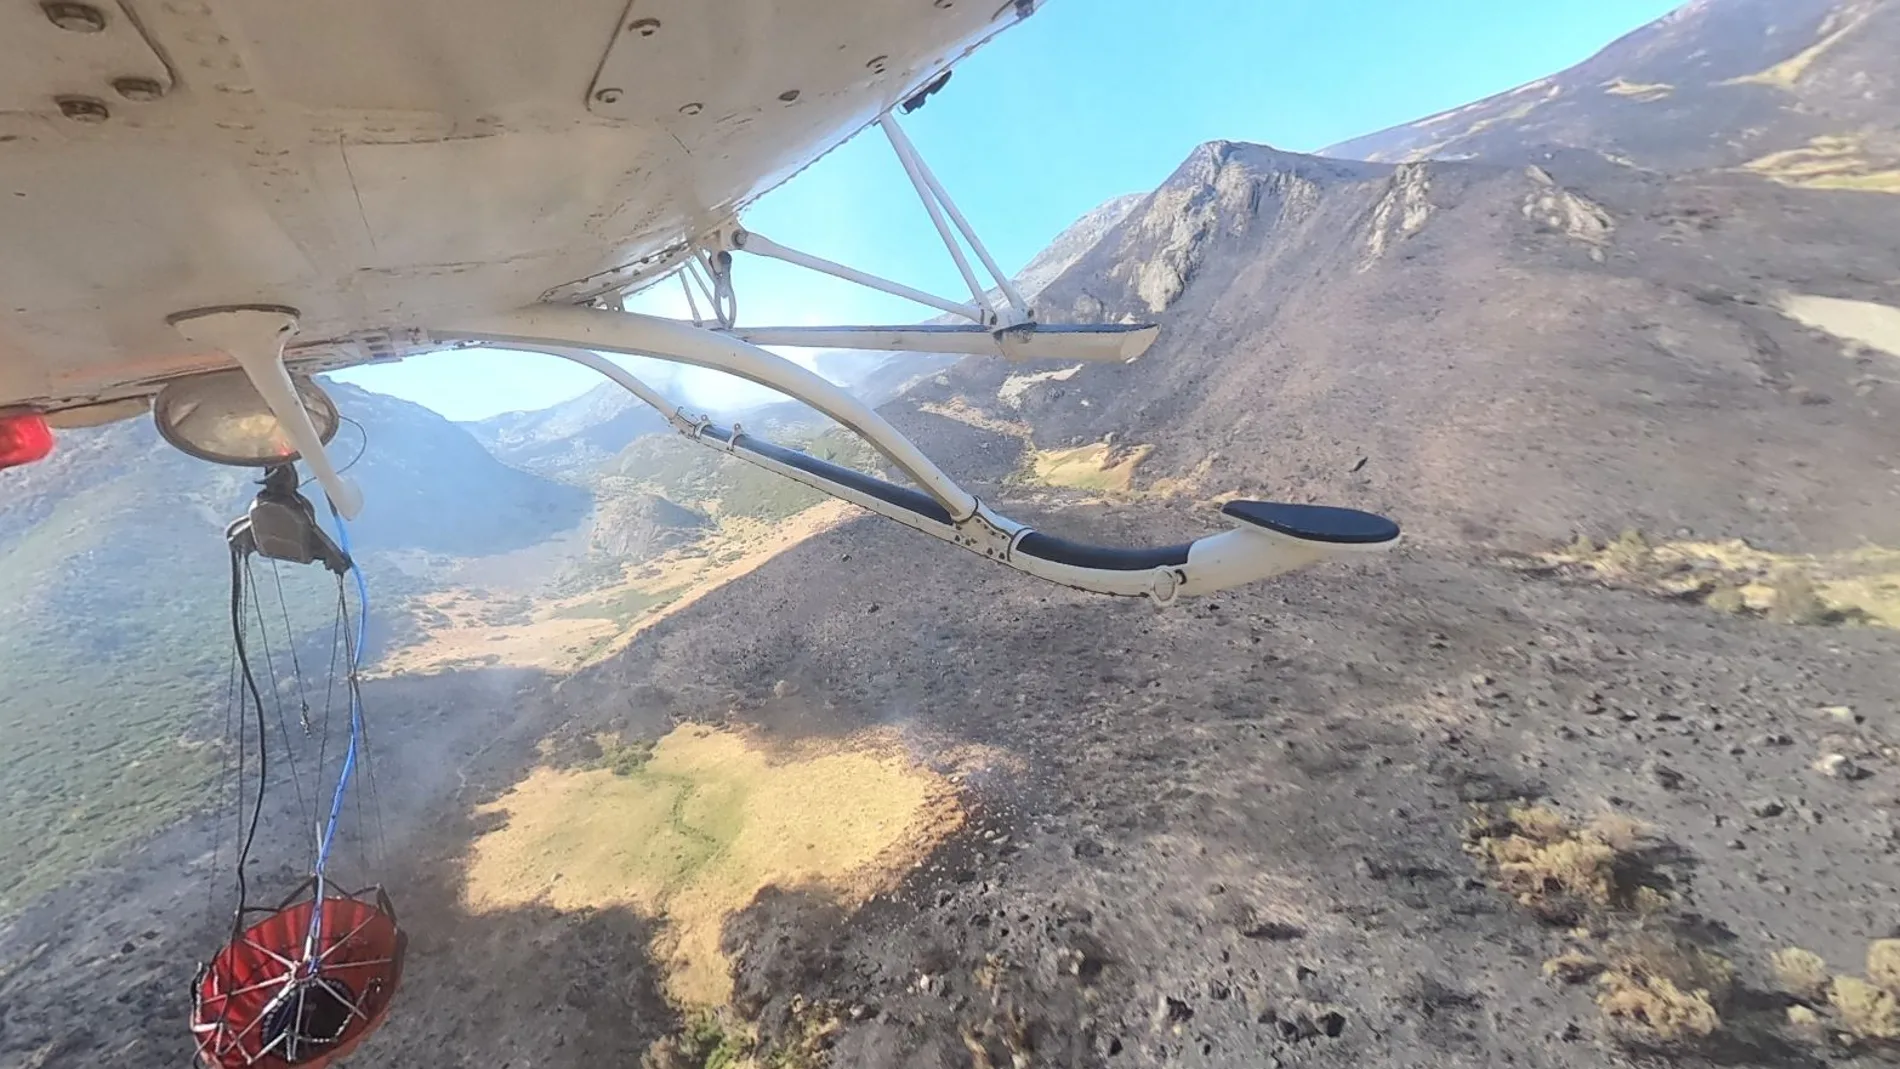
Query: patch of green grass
{"points": [[706, 1040], [713, 1045], [621, 606], [807, 1042], [697, 477], [623, 758], [591, 573]]}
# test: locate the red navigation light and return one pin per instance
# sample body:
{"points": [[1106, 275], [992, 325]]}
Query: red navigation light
{"points": [[24, 438]]}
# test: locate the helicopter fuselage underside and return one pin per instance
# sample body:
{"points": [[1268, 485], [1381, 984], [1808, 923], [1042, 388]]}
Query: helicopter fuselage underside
{"points": [[384, 166]]}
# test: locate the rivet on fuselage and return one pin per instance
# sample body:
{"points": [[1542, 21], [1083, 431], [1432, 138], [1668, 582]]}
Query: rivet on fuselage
{"points": [[83, 109], [138, 89], [78, 18]]}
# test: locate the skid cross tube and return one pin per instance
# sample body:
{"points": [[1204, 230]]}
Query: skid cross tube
{"points": [[1106, 343], [1266, 539]]}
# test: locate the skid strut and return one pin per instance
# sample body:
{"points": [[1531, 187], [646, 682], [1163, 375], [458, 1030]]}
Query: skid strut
{"points": [[1266, 539]]}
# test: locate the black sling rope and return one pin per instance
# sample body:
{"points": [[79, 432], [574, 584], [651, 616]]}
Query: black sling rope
{"points": [[263, 733]]}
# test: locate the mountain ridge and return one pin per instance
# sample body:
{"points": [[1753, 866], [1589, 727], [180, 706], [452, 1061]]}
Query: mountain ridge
{"points": [[1618, 311], [1714, 84]]}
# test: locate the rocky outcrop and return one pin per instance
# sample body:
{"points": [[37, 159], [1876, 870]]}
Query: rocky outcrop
{"points": [[635, 526]]}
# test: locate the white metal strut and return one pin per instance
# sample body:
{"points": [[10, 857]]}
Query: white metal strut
{"points": [[1266, 539]]}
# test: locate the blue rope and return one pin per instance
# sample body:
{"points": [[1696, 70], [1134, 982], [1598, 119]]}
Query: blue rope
{"points": [[356, 735], [356, 703]]}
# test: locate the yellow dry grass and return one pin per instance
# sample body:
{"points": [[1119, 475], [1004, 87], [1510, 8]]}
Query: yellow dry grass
{"points": [[1555, 867], [1852, 1009], [1015, 387], [1883, 964], [1643, 92], [566, 633], [1520, 111], [544, 642], [1656, 986], [762, 543], [959, 408], [1830, 162], [1656, 1004], [1097, 467], [1193, 482], [1801, 973], [1867, 323], [1865, 1010], [1573, 967], [1431, 151], [1787, 74], [1862, 585], [707, 821], [1663, 987]]}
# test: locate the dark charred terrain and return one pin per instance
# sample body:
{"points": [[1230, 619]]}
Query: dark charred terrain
{"points": [[1510, 350], [1275, 828], [1245, 816], [1233, 836], [1715, 84]]}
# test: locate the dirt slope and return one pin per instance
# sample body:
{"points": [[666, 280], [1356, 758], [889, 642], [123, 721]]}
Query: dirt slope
{"points": [[1489, 352], [1717, 83], [1231, 835]]}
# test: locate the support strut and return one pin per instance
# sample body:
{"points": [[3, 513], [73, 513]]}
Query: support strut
{"points": [[574, 327], [1265, 539]]}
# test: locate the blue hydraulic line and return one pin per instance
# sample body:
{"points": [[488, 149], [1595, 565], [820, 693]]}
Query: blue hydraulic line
{"points": [[356, 734]]}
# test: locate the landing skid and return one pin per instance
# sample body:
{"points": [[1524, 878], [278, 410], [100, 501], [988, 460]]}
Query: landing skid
{"points": [[1266, 539]]}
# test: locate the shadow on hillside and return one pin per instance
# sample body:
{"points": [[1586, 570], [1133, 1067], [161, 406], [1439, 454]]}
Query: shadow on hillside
{"points": [[103, 964]]}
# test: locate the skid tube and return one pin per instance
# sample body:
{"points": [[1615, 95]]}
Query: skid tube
{"points": [[1267, 538]]}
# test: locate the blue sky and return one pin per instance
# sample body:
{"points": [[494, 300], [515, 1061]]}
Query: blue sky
{"points": [[1087, 100]]}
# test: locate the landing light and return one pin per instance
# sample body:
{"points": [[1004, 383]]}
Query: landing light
{"points": [[220, 417], [24, 438]]}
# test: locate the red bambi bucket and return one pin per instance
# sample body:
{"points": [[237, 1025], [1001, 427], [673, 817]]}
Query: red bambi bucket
{"points": [[269, 1001]]}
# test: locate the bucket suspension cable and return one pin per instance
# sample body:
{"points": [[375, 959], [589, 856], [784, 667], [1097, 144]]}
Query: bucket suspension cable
{"points": [[316, 974], [353, 659]]}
